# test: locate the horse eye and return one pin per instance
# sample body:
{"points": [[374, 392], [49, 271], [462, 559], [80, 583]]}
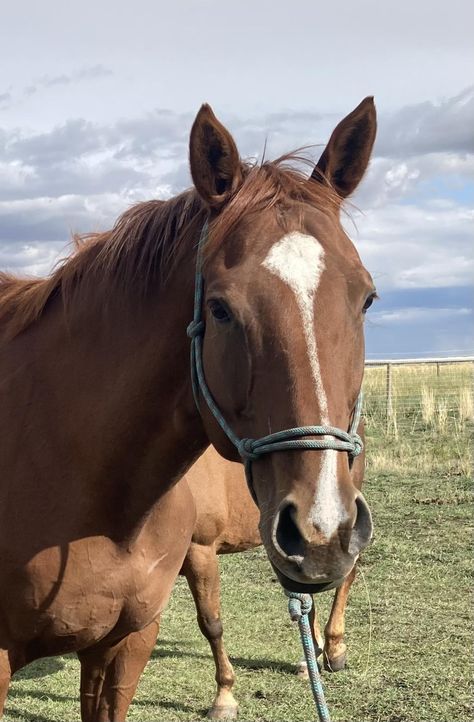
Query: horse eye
{"points": [[219, 311], [369, 301]]}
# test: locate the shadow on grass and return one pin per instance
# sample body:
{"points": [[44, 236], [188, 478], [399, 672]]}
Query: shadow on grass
{"points": [[166, 649], [176, 706], [14, 713], [35, 694], [40, 668], [18, 694], [271, 664], [173, 643]]}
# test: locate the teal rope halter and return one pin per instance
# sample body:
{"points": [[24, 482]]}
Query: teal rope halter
{"points": [[251, 449]]}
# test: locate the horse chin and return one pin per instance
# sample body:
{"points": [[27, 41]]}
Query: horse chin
{"points": [[291, 585]]}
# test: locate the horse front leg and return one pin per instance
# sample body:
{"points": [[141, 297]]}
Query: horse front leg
{"points": [[109, 676], [11, 660], [202, 573], [335, 650], [5, 677]]}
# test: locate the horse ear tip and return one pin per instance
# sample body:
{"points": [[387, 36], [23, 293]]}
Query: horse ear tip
{"points": [[369, 102], [367, 107], [206, 111], [204, 116]]}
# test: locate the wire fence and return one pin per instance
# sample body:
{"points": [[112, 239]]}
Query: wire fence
{"points": [[413, 395], [428, 403]]}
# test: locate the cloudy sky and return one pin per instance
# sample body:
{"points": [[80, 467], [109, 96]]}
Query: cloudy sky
{"points": [[97, 99]]}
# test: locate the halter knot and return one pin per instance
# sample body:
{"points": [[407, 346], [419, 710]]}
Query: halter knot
{"points": [[195, 328], [358, 445], [246, 450], [299, 604]]}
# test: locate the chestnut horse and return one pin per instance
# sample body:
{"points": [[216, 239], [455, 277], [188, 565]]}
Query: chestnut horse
{"points": [[226, 523], [99, 420]]}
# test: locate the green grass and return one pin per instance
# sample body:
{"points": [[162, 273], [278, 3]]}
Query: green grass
{"points": [[410, 649]]}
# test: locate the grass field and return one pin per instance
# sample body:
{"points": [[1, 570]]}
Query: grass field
{"points": [[409, 619], [427, 428]]}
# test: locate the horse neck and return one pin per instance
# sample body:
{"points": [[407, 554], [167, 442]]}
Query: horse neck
{"points": [[154, 382], [116, 382]]}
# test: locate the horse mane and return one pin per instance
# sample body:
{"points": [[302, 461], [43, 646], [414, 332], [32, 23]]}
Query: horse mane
{"points": [[150, 238], [145, 241]]}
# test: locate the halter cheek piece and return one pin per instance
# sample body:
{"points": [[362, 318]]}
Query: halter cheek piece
{"points": [[251, 449]]}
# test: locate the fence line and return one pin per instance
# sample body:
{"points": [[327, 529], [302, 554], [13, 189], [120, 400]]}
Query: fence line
{"points": [[417, 361], [419, 395]]}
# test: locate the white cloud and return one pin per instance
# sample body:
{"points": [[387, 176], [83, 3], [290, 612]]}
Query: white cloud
{"points": [[417, 315], [390, 180], [80, 176], [56, 218], [31, 259], [86, 73], [325, 56], [406, 246], [429, 127]]}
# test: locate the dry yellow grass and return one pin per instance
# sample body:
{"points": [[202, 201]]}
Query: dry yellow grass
{"points": [[427, 405], [426, 425], [466, 404]]}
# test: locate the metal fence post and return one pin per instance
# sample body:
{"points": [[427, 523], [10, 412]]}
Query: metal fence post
{"points": [[388, 401]]}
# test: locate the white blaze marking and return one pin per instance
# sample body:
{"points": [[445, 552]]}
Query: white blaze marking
{"points": [[298, 259], [328, 511]]}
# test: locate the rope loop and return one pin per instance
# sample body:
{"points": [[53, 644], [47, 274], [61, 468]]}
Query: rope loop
{"points": [[358, 445], [245, 447], [298, 604], [195, 328]]}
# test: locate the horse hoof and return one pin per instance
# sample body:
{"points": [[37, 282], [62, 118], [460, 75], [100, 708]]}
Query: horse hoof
{"points": [[302, 670], [335, 664], [222, 712]]}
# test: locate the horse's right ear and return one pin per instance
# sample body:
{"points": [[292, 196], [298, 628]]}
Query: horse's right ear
{"points": [[346, 156], [214, 159]]}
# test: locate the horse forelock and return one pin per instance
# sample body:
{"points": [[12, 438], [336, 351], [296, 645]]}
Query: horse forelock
{"points": [[277, 185]]}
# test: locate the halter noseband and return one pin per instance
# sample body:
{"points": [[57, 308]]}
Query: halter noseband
{"points": [[290, 439]]}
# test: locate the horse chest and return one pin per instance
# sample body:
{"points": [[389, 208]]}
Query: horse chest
{"points": [[70, 599]]}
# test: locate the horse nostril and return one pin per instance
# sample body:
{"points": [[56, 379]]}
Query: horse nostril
{"points": [[287, 534], [363, 528]]}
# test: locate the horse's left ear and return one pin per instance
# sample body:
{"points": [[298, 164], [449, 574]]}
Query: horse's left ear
{"points": [[346, 156], [214, 159]]}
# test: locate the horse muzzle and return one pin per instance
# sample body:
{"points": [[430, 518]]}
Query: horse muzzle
{"points": [[307, 559], [304, 587]]}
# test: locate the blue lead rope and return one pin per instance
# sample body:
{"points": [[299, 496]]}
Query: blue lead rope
{"points": [[299, 607]]}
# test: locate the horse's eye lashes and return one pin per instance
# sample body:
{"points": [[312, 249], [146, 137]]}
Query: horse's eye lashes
{"points": [[219, 310], [369, 301]]}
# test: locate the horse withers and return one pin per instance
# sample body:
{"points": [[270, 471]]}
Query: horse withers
{"points": [[99, 420]]}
